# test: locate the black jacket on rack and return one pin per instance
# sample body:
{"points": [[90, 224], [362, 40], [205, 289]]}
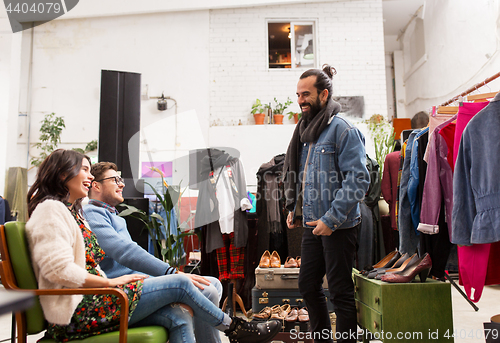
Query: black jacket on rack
{"points": [[370, 237], [271, 222]]}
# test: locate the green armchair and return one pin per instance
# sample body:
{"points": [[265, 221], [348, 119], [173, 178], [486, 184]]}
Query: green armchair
{"points": [[17, 274]]}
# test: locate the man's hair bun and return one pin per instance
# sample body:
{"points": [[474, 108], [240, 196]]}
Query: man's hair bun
{"points": [[329, 70]]}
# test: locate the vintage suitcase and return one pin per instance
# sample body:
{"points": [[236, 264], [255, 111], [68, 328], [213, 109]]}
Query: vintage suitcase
{"points": [[270, 297], [381, 305], [279, 278]]}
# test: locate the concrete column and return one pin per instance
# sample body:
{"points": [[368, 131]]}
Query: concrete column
{"points": [[399, 72], [10, 73]]}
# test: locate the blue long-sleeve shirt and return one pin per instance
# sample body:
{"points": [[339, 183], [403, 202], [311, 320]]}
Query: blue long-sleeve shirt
{"points": [[123, 255]]}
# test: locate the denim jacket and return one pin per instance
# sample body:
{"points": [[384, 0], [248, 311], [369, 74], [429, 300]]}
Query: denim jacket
{"points": [[476, 190], [336, 178], [408, 239]]}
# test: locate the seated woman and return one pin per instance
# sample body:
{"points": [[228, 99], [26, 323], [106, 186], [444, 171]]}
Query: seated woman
{"points": [[65, 253]]}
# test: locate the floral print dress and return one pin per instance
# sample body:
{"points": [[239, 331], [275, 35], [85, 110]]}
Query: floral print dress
{"points": [[96, 313]]}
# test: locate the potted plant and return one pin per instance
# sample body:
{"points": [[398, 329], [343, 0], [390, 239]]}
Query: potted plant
{"points": [[50, 137], [295, 115], [279, 109], [382, 133], [258, 111]]}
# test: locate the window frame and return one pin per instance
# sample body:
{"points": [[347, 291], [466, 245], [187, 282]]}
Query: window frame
{"points": [[293, 22]]}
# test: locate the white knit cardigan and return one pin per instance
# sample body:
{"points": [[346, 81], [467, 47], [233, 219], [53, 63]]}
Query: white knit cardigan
{"points": [[58, 257]]}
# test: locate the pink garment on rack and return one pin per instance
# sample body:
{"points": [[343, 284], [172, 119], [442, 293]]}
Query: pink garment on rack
{"points": [[472, 260], [465, 114], [473, 267], [492, 274], [435, 121]]}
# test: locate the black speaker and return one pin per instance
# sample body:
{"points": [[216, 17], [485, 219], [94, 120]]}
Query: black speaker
{"points": [[136, 228], [120, 118]]}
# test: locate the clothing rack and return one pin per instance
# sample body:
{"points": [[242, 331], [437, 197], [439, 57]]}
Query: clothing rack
{"points": [[468, 91], [472, 89]]}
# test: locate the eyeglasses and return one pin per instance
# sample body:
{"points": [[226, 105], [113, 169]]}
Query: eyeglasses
{"points": [[117, 179]]}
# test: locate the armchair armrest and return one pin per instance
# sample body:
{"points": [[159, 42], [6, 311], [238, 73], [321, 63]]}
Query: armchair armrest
{"points": [[122, 298]]}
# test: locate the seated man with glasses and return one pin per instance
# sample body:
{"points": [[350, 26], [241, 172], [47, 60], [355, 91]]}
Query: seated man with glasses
{"points": [[124, 256]]}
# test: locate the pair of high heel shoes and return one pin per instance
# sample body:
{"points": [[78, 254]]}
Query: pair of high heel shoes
{"points": [[420, 266], [398, 269], [387, 261], [269, 260]]}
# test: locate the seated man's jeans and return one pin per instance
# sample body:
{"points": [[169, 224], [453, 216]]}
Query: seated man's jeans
{"points": [[175, 319], [155, 308], [204, 331]]}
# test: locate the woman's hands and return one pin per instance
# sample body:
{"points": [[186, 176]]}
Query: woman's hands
{"points": [[126, 279], [93, 281]]}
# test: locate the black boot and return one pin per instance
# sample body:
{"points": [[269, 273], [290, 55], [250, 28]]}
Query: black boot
{"points": [[242, 331]]}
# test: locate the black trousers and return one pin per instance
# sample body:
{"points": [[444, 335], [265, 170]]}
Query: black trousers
{"points": [[334, 256]]}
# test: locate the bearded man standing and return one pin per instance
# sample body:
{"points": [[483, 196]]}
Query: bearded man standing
{"points": [[325, 179]]}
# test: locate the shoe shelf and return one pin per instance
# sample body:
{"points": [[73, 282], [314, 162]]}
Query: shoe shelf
{"points": [[403, 312]]}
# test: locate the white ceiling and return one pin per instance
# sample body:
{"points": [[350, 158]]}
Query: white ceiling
{"points": [[397, 13]]}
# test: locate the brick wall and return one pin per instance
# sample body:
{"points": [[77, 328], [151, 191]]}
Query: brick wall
{"points": [[350, 37]]}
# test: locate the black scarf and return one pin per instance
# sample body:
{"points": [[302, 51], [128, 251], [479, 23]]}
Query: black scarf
{"points": [[305, 132]]}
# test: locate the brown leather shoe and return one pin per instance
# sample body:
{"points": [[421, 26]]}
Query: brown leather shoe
{"points": [[291, 263], [293, 315], [303, 315], [265, 260], [265, 313], [275, 260], [275, 310], [298, 260], [282, 312]]}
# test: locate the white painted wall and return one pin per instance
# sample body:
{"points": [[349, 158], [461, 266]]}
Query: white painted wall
{"points": [[170, 50], [191, 56], [350, 36], [462, 43], [98, 8]]}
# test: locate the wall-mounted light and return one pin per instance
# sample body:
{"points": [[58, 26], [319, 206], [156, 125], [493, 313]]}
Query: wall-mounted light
{"points": [[162, 103]]}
